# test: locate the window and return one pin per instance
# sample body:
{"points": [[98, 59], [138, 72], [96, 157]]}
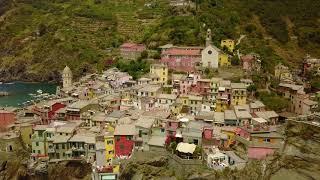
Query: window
{"points": [[63, 154], [60, 134], [39, 152], [209, 52], [129, 138], [110, 152], [63, 146], [34, 151], [121, 146], [117, 138], [140, 133], [37, 143], [162, 130], [267, 140], [109, 142]]}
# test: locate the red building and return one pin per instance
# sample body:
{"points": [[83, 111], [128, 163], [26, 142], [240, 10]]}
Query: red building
{"points": [[183, 59], [131, 50], [202, 87], [47, 110], [124, 135], [6, 118]]}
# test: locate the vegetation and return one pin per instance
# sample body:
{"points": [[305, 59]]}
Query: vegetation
{"points": [[40, 37], [273, 101], [135, 68]]}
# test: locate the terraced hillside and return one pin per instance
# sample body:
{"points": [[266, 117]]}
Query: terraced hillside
{"points": [[39, 37]]}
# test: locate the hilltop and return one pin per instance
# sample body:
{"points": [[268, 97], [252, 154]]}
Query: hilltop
{"points": [[39, 37]]}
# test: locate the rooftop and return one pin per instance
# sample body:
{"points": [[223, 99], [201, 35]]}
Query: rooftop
{"points": [[145, 122], [125, 129]]}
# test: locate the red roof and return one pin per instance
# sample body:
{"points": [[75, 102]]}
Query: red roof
{"points": [[183, 52], [247, 58]]}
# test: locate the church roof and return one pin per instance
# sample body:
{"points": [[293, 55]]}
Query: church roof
{"points": [[66, 70]]}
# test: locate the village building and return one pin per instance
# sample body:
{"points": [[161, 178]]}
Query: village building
{"points": [[164, 101], [228, 43], [143, 129], [256, 106], [161, 71], [270, 116], [124, 140], [243, 114], [259, 141], [82, 145], [230, 118], [238, 94], [250, 63], [283, 73], [131, 51], [184, 59], [223, 99], [10, 142], [109, 146], [39, 142], [7, 117]]}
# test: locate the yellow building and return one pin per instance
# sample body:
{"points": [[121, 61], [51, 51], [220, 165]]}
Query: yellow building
{"points": [[109, 144], [282, 72], [238, 94], [228, 43], [26, 133], [224, 60], [161, 71], [230, 132], [221, 105], [176, 108], [184, 100]]}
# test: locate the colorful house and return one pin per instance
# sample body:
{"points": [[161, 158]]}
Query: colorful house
{"points": [[228, 43], [259, 141], [6, 118], [238, 94], [224, 60], [282, 73], [39, 142], [109, 146], [161, 71], [47, 110], [183, 59], [124, 139]]}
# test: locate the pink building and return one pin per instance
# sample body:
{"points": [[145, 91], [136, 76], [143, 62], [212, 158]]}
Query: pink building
{"points": [[247, 62], [131, 50], [6, 118], [183, 59], [259, 141], [188, 84], [202, 87]]}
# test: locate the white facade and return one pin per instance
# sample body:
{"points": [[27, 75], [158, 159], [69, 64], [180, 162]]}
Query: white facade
{"points": [[67, 77], [210, 57]]}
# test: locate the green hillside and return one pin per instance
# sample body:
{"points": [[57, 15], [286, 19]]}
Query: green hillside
{"points": [[39, 37]]}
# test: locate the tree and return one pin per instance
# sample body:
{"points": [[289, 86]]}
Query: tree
{"points": [[144, 55], [252, 89], [235, 61]]}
